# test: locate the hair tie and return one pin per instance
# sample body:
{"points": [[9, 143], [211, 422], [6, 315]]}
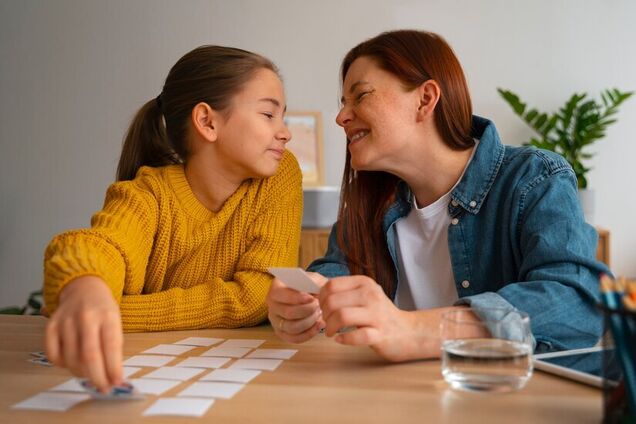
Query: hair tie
{"points": [[158, 101]]}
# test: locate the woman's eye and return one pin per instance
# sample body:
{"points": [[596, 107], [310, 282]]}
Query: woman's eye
{"points": [[360, 96], [269, 115]]}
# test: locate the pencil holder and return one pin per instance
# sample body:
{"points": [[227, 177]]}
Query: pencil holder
{"points": [[619, 365]]}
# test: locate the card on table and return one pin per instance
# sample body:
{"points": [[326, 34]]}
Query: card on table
{"points": [[212, 389], [256, 364], [175, 373], [180, 407], [154, 386], [148, 360], [199, 341], [251, 343], [295, 278], [169, 349], [201, 362], [124, 391], [235, 376], [52, 401], [272, 353], [227, 352]]}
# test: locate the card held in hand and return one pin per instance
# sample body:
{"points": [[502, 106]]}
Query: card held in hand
{"points": [[295, 278]]}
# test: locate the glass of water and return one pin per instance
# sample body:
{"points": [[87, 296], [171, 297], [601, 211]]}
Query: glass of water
{"points": [[486, 352]]}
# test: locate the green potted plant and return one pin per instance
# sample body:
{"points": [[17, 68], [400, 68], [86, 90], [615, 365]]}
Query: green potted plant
{"points": [[569, 131]]}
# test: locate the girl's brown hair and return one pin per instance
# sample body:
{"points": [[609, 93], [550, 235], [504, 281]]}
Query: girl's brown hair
{"points": [[157, 135], [414, 57]]}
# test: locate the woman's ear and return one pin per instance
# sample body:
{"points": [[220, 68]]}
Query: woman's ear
{"points": [[205, 121], [429, 93]]}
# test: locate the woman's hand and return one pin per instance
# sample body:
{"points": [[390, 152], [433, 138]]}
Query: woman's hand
{"points": [[85, 333], [396, 335], [295, 316]]}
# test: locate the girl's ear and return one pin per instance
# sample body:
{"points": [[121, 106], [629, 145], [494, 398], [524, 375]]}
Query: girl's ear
{"points": [[429, 93], [205, 121]]}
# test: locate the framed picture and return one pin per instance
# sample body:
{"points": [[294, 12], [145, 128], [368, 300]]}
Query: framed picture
{"points": [[306, 144]]}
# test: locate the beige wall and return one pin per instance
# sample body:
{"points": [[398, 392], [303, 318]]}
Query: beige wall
{"points": [[73, 72]]}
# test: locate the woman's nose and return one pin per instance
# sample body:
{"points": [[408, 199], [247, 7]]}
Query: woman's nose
{"points": [[344, 116]]}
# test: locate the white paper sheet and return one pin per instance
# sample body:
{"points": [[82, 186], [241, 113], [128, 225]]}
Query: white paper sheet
{"points": [[235, 376], [52, 401], [227, 352], [209, 389], [150, 386], [272, 353], [199, 341], [128, 371], [201, 362], [256, 364], [295, 278], [169, 349], [148, 360], [71, 385], [174, 373], [251, 343], [180, 407]]}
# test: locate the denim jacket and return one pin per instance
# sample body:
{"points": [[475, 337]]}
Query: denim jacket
{"points": [[517, 239]]}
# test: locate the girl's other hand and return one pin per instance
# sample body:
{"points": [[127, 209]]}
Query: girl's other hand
{"points": [[296, 317], [85, 332]]}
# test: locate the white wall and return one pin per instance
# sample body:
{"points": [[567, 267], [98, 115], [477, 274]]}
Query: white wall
{"points": [[73, 72]]}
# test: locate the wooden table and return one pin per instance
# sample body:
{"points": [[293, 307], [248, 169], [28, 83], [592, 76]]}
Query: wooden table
{"points": [[323, 383]]}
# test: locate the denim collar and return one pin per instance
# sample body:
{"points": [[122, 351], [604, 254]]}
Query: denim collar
{"points": [[473, 188]]}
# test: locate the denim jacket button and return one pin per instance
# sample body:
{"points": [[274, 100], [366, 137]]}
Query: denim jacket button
{"points": [[465, 284], [472, 204], [454, 221], [454, 203]]}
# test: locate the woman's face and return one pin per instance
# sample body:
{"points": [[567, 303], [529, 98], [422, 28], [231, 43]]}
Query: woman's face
{"points": [[378, 115]]}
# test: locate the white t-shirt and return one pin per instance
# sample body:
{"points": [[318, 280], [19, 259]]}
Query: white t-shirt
{"points": [[424, 264]]}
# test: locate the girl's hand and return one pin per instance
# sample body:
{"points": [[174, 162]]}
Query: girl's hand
{"points": [[296, 317], [396, 335], [85, 333]]}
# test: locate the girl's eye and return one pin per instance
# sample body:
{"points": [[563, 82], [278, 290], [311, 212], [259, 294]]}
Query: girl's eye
{"points": [[269, 115]]}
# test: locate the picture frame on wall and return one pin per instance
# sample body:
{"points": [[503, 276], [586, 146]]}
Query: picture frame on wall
{"points": [[306, 144]]}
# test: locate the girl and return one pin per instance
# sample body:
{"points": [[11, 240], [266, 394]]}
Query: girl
{"points": [[437, 214], [207, 198]]}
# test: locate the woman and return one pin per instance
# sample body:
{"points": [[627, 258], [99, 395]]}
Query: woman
{"points": [[437, 214], [207, 198]]}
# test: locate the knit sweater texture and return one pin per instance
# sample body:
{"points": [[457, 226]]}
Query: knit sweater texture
{"points": [[171, 263]]}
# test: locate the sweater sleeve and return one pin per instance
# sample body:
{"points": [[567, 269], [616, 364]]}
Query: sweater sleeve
{"points": [[272, 241], [116, 247]]}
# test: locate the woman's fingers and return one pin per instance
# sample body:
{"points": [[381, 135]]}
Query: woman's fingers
{"points": [[52, 343], [70, 347], [298, 326]]}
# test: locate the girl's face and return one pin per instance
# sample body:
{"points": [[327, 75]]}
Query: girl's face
{"points": [[252, 139], [378, 115]]}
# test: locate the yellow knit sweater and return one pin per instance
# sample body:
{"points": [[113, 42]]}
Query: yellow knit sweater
{"points": [[173, 264]]}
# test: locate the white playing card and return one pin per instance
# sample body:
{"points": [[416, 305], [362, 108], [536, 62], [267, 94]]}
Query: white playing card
{"points": [[128, 371], [251, 343], [200, 362], [179, 406], [169, 349], [174, 373], [295, 278], [153, 386], [256, 364], [199, 341], [227, 352], [272, 353], [209, 389], [72, 385], [148, 360], [52, 401], [236, 376]]}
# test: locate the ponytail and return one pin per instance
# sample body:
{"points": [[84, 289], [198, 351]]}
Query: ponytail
{"points": [[146, 143]]}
